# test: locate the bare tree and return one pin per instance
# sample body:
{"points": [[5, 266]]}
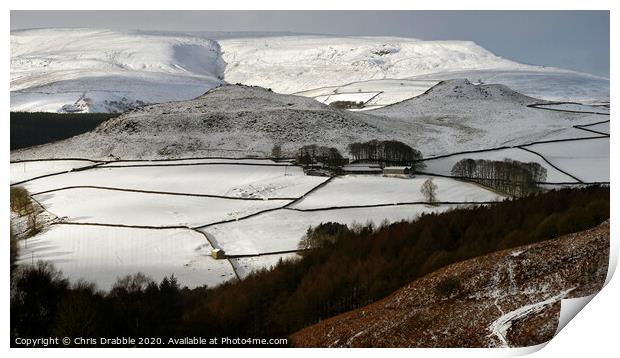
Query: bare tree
{"points": [[429, 190]]}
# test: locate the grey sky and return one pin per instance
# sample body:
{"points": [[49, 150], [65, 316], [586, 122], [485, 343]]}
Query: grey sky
{"points": [[577, 40]]}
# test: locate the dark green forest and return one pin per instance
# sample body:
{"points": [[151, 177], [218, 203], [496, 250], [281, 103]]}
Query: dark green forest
{"points": [[34, 128], [345, 268]]}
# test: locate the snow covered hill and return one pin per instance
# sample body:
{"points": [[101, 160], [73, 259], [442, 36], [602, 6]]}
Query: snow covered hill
{"points": [[84, 70], [239, 121], [291, 64], [88, 70]]}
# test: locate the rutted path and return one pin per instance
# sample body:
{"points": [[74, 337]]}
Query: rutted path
{"points": [[499, 328]]}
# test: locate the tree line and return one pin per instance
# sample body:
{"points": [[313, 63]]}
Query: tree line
{"points": [[313, 154], [387, 152], [344, 268], [511, 177]]}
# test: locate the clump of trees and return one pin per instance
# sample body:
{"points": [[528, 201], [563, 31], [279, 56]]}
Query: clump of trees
{"points": [[21, 204], [511, 177], [345, 269], [315, 154], [429, 190], [323, 235], [20, 200], [347, 104], [388, 152]]}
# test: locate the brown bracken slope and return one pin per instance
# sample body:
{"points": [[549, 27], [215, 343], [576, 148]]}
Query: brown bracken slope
{"points": [[508, 298]]}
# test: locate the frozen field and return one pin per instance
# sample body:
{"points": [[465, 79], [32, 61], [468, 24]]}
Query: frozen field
{"points": [[246, 265], [350, 97], [31, 169], [385, 91], [85, 205], [281, 230], [576, 107], [443, 166], [587, 160], [354, 190], [570, 133], [601, 127], [102, 254], [224, 179]]}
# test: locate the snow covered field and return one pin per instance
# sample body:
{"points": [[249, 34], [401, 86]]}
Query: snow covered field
{"points": [[222, 179], [388, 91], [576, 107], [281, 230], [102, 254], [588, 160], [246, 265], [443, 166], [85, 205], [354, 190], [31, 169], [601, 127]]}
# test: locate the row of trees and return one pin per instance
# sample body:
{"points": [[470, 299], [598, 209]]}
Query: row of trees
{"points": [[511, 177], [388, 152], [346, 268], [313, 154]]}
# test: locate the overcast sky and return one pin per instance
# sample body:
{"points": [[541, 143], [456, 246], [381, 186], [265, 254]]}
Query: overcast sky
{"points": [[577, 40]]}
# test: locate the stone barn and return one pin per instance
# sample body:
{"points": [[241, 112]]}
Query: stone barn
{"points": [[397, 171], [218, 254]]}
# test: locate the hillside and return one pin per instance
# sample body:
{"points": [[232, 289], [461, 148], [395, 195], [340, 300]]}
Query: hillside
{"points": [[238, 121], [231, 120], [459, 115], [509, 298], [89, 70]]}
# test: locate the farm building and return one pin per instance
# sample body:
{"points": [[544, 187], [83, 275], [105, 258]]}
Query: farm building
{"points": [[397, 171], [218, 254], [362, 169]]}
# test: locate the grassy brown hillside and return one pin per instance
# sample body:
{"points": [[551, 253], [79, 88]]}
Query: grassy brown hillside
{"points": [[508, 298]]}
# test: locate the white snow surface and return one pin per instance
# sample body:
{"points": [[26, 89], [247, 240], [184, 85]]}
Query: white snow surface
{"points": [[601, 127], [225, 179], [576, 107], [244, 266], [86, 205], [103, 254], [27, 170], [588, 160], [281, 230], [353, 190], [290, 64]]}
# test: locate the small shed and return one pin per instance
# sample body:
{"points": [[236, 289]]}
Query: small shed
{"points": [[397, 171], [218, 254]]}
